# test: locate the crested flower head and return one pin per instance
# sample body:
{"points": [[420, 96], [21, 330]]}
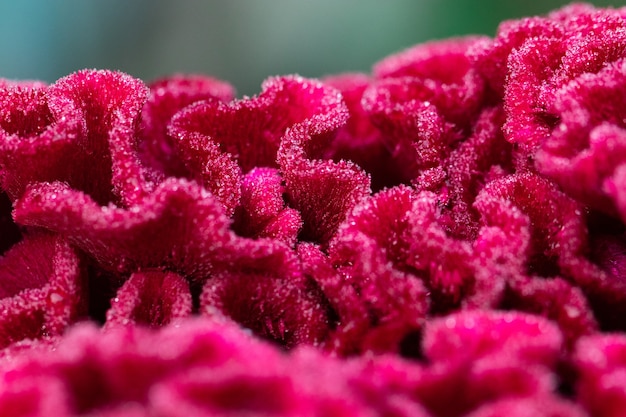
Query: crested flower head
{"points": [[442, 236]]}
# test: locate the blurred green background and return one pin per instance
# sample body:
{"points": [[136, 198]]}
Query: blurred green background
{"points": [[241, 41]]}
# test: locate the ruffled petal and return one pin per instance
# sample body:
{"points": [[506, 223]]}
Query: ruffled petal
{"points": [[491, 57], [359, 140], [110, 119], [35, 143], [348, 319], [179, 225], [321, 190], [42, 289], [527, 97], [558, 232], [168, 96], [370, 251], [447, 78], [600, 362], [447, 264], [262, 212], [80, 130], [482, 157], [214, 138], [542, 406], [415, 131], [288, 310], [473, 335], [151, 299], [588, 145], [559, 244]]}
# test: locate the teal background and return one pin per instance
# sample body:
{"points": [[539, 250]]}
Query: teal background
{"points": [[241, 41]]}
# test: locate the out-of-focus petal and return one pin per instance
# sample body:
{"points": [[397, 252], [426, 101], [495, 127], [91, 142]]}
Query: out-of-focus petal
{"points": [[200, 367], [472, 335], [541, 406], [601, 365], [557, 300]]}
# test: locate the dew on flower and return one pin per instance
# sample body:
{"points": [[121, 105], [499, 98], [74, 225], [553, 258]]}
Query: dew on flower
{"points": [[443, 235]]}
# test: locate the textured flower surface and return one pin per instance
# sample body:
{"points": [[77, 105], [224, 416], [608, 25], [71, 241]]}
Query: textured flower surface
{"points": [[445, 236]]}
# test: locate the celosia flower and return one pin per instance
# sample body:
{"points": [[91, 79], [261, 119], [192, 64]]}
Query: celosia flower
{"points": [[600, 363], [195, 368], [283, 309], [150, 298], [157, 150], [485, 358], [445, 236], [179, 225], [80, 130], [359, 140], [548, 406], [262, 211], [42, 289]]}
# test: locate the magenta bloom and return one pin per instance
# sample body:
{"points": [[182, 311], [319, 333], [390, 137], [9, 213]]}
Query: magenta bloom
{"points": [[42, 291], [600, 362], [153, 299], [442, 237]]}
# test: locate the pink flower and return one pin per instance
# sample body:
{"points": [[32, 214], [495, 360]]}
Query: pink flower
{"points": [[167, 96], [262, 211], [600, 363], [445, 236], [42, 290], [287, 309], [150, 298], [179, 225], [80, 130], [486, 358], [208, 367]]}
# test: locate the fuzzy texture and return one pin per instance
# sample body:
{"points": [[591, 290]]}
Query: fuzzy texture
{"points": [[443, 237]]}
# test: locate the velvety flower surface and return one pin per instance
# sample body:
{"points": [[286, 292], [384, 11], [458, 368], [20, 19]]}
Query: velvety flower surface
{"points": [[444, 236], [167, 96]]}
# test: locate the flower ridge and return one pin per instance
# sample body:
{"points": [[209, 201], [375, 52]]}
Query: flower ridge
{"points": [[453, 221]]}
